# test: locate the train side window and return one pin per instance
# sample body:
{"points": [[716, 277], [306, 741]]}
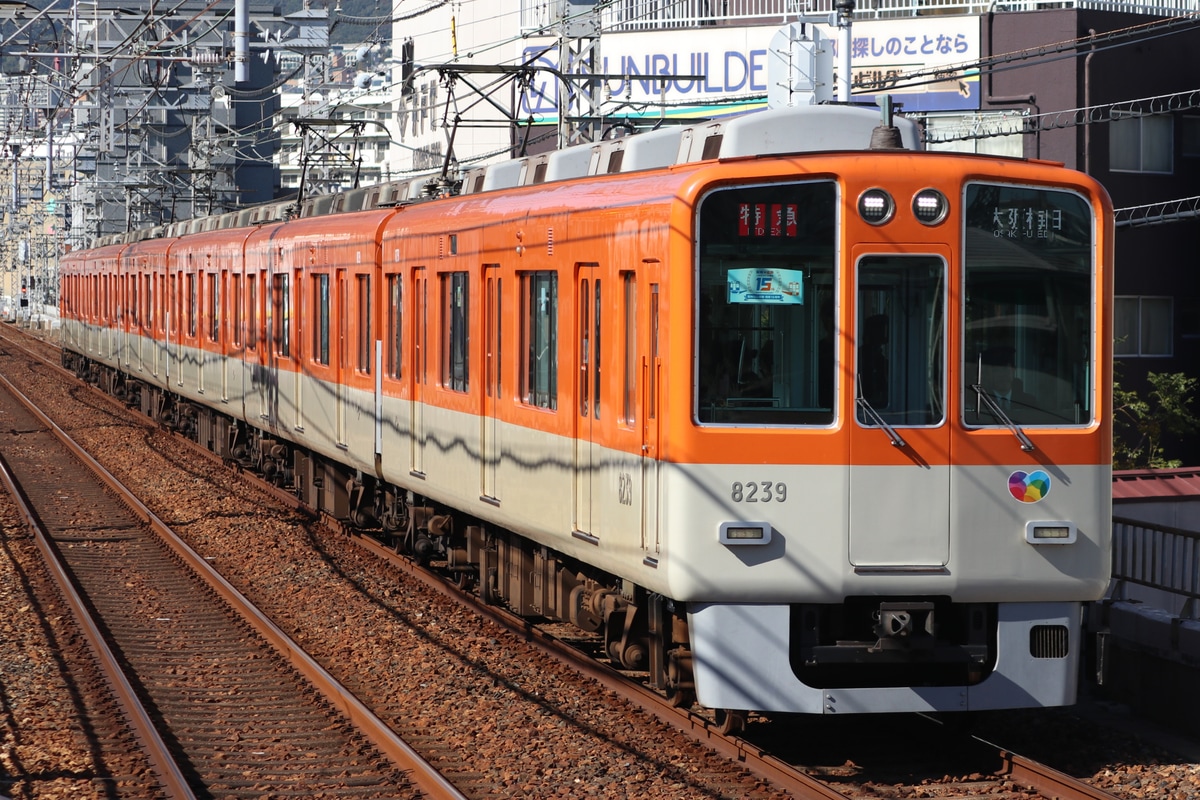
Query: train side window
{"points": [[652, 389], [395, 312], [148, 302], [493, 322], [585, 296], [629, 393], [235, 303], [596, 316], [281, 315], [193, 303], [252, 311], [420, 319], [320, 297], [214, 307], [160, 304], [539, 339], [455, 361], [363, 290], [171, 301]]}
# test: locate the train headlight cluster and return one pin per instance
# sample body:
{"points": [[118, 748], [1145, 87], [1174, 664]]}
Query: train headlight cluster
{"points": [[1047, 532], [738, 533], [930, 206], [876, 206]]}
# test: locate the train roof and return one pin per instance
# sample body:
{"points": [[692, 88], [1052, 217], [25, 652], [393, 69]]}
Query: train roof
{"points": [[798, 129]]}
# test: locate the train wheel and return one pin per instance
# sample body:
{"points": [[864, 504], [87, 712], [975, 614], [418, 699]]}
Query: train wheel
{"points": [[679, 697], [730, 721]]}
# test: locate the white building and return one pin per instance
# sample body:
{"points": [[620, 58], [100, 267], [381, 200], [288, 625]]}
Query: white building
{"points": [[486, 79]]}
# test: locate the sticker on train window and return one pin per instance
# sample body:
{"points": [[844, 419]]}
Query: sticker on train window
{"points": [[765, 286]]}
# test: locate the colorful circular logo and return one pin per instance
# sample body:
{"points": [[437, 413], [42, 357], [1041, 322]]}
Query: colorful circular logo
{"points": [[1029, 487]]}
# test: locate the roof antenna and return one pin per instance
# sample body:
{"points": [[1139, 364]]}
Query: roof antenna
{"points": [[886, 136]]}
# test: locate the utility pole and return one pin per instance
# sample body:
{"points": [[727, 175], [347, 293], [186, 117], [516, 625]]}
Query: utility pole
{"points": [[580, 97], [844, 12]]}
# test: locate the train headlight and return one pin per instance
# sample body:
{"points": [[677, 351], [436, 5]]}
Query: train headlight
{"points": [[739, 533], [876, 206], [930, 206], [1050, 532]]}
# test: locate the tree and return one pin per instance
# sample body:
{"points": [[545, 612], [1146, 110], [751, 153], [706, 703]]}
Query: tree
{"points": [[1139, 425]]}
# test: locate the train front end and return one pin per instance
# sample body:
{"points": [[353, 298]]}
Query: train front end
{"points": [[892, 488]]}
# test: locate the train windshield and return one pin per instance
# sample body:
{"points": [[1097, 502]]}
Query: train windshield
{"points": [[764, 348], [898, 360], [1028, 272]]}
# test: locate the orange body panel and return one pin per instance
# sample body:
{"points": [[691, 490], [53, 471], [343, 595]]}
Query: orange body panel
{"points": [[640, 226]]}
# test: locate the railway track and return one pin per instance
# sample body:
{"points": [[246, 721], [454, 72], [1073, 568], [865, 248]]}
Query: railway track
{"points": [[211, 700], [877, 767]]}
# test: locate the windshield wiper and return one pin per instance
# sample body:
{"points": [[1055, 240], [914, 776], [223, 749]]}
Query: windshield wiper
{"points": [[995, 408], [879, 421]]}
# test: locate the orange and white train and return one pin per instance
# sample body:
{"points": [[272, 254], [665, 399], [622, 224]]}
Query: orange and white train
{"points": [[796, 423]]}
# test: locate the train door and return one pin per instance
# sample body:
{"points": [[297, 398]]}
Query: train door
{"points": [[158, 326], [275, 343], [267, 372], [588, 458], [298, 300], [651, 384], [342, 357], [237, 337], [489, 434], [175, 369], [146, 356], [204, 311], [188, 320], [418, 360], [257, 405], [899, 436]]}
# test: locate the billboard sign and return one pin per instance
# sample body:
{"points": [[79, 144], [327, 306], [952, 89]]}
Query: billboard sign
{"points": [[708, 72]]}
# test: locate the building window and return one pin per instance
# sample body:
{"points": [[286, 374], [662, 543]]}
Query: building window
{"points": [[1190, 133], [454, 344], [539, 334], [321, 318], [1141, 144], [1143, 326]]}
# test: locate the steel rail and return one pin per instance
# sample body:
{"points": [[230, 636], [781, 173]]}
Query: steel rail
{"points": [[166, 771], [754, 759], [420, 772], [1047, 780], [1019, 769]]}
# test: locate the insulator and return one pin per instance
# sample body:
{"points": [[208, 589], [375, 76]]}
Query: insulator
{"points": [[208, 58]]}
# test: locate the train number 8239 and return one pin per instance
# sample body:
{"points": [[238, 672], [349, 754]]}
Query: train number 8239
{"points": [[758, 492]]}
